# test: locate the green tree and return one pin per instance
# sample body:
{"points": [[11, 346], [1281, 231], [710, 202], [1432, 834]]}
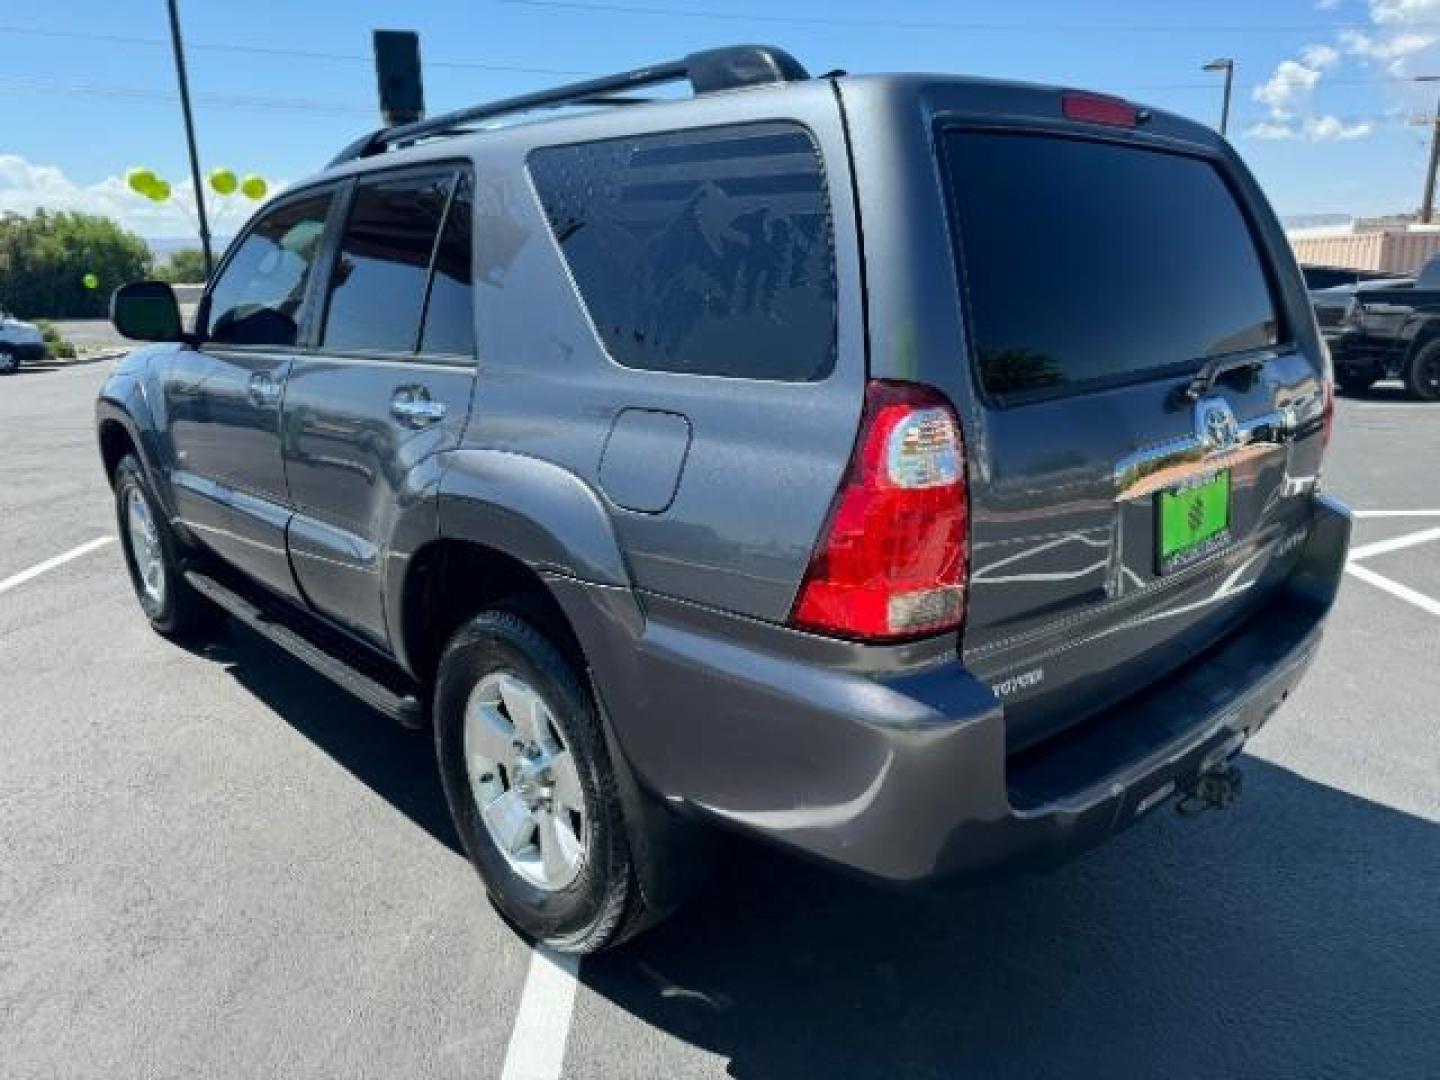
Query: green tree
{"points": [[185, 267], [44, 259]]}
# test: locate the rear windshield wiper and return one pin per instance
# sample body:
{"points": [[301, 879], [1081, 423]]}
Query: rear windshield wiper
{"points": [[1216, 367]]}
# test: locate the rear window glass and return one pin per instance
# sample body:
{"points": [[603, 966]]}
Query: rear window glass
{"points": [[1087, 263], [377, 288], [705, 252]]}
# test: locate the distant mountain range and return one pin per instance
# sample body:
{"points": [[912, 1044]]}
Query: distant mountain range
{"points": [[1315, 221], [163, 247]]}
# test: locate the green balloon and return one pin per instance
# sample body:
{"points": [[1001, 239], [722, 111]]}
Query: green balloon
{"points": [[223, 182], [254, 187], [91, 281], [158, 191], [139, 180]]}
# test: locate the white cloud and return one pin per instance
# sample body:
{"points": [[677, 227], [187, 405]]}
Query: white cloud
{"points": [[1333, 129], [26, 186], [1291, 84], [1404, 12], [1320, 57], [1311, 129], [1270, 130]]}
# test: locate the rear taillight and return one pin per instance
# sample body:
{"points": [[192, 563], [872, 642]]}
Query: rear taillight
{"points": [[1099, 109], [892, 561]]}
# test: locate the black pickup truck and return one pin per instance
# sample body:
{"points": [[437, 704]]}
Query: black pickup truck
{"points": [[1385, 330]]}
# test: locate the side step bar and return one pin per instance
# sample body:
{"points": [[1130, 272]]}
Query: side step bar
{"points": [[402, 707]]}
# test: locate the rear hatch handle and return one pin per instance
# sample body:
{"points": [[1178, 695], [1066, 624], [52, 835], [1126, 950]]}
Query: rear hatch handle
{"points": [[1215, 368]]}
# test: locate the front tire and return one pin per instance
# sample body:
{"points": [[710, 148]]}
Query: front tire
{"points": [[528, 779], [9, 360], [153, 558], [1422, 373]]}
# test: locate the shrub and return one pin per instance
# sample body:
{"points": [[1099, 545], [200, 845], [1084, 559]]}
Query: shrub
{"points": [[44, 259]]}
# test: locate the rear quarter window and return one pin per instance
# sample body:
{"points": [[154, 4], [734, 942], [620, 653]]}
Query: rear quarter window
{"points": [[1087, 263], [702, 252]]}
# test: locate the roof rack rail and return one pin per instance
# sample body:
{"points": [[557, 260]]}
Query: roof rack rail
{"points": [[707, 71]]}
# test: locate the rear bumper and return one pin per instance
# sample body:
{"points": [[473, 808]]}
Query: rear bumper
{"points": [[904, 777]]}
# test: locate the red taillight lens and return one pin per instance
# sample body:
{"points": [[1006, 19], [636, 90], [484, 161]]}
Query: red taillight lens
{"points": [[1098, 109], [892, 560]]}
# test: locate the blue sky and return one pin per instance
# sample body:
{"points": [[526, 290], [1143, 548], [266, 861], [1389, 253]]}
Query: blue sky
{"points": [[1322, 104]]}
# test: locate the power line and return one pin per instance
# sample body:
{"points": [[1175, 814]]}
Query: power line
{"points": [[264, 50], [947, 24], [114, 91]]}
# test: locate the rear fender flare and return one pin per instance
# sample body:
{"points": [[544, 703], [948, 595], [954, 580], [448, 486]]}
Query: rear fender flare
{"points": [[534, 511]]}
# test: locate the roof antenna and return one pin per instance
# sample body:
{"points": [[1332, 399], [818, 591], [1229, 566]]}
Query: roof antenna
{"points": [[397, 69]]}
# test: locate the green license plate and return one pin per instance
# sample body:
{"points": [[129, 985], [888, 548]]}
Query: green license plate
{"points": [[1194, 521]]}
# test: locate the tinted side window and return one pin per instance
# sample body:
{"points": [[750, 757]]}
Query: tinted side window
{"points": [[706, 252], [1090, 263], [377, 288], [449, 314], [259, 297]]}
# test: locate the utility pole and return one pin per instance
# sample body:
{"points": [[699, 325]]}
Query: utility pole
{"points": [[1427, 206], [190, 137], [1226, 65]]}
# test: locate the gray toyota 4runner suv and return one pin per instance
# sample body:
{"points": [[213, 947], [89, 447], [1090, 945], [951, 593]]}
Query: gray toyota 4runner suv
{"points": [[918, 472]]}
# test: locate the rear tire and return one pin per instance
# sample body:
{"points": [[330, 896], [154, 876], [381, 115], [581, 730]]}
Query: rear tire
{"points": [[1422, 373], [154, 558], [501, 756]]}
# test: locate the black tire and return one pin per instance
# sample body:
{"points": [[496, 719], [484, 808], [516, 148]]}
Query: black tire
{"points": [[1353, 382], [1422, 373], [181, 613], [9, 360], [603, 904]]}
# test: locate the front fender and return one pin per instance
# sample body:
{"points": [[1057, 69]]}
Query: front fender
{"points": [[122, 400], [533, 510]]}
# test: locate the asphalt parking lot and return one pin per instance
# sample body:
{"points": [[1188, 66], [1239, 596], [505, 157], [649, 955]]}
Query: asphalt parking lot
{"points": [[212, 863]]}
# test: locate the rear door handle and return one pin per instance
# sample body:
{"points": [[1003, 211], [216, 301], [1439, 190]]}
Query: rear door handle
{"points": [[263, 389], [414, 407]]}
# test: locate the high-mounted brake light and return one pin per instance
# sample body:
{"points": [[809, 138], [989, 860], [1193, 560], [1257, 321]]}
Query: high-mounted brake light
{"points": [[892, 561], [1099, 109]]}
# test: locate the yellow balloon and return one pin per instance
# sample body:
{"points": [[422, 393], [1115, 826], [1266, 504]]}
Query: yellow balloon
{"points": [[223, 182], [254, 187], [159, 191], [139, 180]]}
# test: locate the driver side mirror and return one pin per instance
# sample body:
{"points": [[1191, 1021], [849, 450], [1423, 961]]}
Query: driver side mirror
{"points": [[147, 311]]}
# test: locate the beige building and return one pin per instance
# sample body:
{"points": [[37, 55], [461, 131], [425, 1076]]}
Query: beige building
{"points": [[1398, 249]]}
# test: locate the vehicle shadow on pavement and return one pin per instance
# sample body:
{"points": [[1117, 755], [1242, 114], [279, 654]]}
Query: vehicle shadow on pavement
{"points": [[396, 764], [1294, 935]]}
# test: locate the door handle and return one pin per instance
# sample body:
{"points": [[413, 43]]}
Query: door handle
{"points": [[414, 407], [263, 389]]}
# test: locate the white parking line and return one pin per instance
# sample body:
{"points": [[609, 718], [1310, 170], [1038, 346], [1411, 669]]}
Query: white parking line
{"points": [[542, 1024], [1395, 543], [50, 564], [1395, 513], [1394, 588]]}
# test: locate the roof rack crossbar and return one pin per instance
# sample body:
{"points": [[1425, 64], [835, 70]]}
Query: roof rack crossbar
{"points": [[707, 71]]}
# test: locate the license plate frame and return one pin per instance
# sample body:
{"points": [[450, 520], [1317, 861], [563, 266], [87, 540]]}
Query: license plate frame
{"points": [[1192, 521]]}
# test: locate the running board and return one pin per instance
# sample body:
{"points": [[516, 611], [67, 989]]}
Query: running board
{"points": [[402, 707]]}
